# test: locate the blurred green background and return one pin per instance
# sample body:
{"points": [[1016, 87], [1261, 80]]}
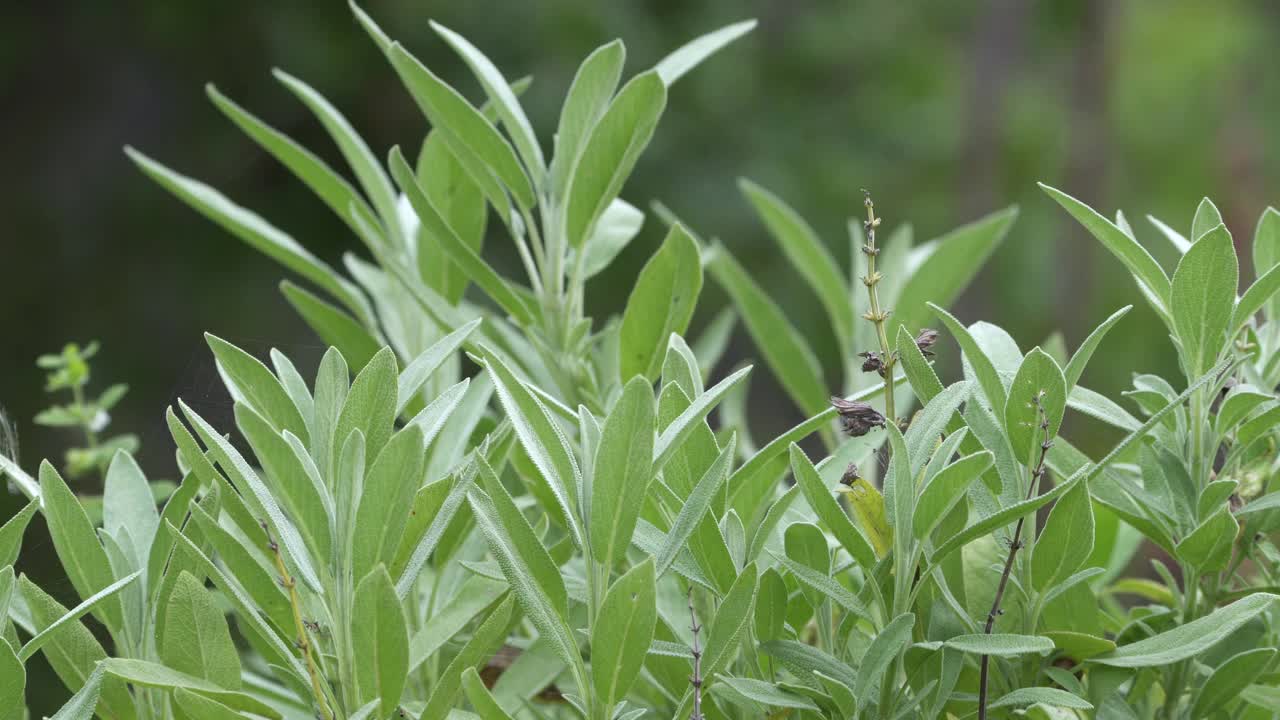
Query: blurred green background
{"points": [[945, 110]]}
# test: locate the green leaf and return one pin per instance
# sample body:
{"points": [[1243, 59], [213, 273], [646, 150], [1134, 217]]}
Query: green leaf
{"points": [[880, 655], [77, 546], [1066, 541], [1189, 639], [258, 386], [328, 185], [803, 659], [618, 225], [245, 479], [431, 537], [1206, 218], [502, 98], [691, 54], [370, 404], [543, 611], [542, 439], [620, 481], [1266, 252], [1208, 547], [386, 498], [622, 633], [1048, 696], [944, 267], [528, 548], [945, 490], [694, 508], [354, 149], [1145, 270], [198, 707], [678, 430], [11, 533], [824, 505], [1228, 679], [1082, 355], [470, 262], [765, 693], [74, 653], [336, 328], [899, 491], [485, 705], [823, 585], [461, 124], [142, 673], [81, 706], [1203, 297], [13, 684], [1000, 518], [661, 303], [381, 647], [449, 620], [196, 639], [1259, 294], [417, 372], [999, 644], [484, 642], [255, 231], [1039, 378], [924, 381], [988, 378], [610, 152], [38, 640], [588, 98], [785, 350], [809, 256]]}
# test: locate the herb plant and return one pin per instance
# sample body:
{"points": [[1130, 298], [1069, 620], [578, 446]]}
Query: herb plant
{"points": [[497, 502]]}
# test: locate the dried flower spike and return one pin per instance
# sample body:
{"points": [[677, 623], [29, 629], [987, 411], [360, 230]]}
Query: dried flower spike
{"points": [[857, 418], [871, 362], [851, 475], [925, 340]]}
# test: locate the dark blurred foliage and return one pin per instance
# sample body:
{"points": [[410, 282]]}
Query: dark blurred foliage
{"points": [[945, 110]]}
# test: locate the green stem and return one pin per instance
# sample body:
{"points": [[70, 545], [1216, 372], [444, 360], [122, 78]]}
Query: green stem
{"points": [[876, 315]]}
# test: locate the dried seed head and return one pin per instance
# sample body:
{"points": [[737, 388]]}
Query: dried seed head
{"points": [[857, 418], [871, 362], [851, 475], [925, 340]]}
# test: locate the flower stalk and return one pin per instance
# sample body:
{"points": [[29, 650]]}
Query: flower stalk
{"points": [[885, 360], [696, 678], [300, 625], [1015, 544]]}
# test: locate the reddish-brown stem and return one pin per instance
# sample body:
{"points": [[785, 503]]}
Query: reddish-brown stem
{"points": [[696, 678], [1015, 544]]}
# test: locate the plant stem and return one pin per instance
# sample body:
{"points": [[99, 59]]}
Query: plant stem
{"points": [[875, 314], [1014, 545], [303, 642], [696, 678]]}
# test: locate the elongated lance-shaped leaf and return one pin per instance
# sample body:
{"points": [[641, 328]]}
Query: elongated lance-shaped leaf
{"points": [[257, 232], [77, 546], [1203, 296], [502, 98], [924, 381], [524, 541], [622, 633], [691, 54], [1075, 367], [786, 352], [354, 149], [328, 185], [660, 304], [1145, 270], [620, 480], [1190, 639], [38, 640], [588, 97], [945, 490], [541, 609], [542, 439], [809, 256], [25, 482], [983, 368], [825, 585], [435, 531], [420, 369], [484, 642], [880, 655], [824, 505], [695, 506], [1259, 294], [463, 125], [82, 705], [676, 432], [244, 477], [475, 267]]}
